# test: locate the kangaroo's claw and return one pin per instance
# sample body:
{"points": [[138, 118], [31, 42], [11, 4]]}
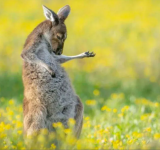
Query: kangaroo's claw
{"points": [[90, 54]]}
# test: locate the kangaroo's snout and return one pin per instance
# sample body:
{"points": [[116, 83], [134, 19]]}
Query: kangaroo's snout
{"points": [[59, 51]]}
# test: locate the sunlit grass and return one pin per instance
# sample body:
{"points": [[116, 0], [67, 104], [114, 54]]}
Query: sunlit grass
{"points": [[134, 126]]}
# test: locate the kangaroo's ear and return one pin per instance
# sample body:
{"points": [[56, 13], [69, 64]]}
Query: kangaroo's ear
{"points": [[63, 13], [50, 15]]}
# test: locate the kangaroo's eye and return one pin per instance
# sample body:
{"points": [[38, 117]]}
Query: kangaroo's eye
{"points": [[58, 37]]}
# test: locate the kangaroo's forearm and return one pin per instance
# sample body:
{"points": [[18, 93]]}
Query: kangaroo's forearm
{"points": [[63, 58]]}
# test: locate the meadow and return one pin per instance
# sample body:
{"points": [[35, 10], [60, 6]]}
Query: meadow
{"points": [[119, 87]]}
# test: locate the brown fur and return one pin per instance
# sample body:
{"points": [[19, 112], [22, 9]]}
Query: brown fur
{"points": [[48, 98]]}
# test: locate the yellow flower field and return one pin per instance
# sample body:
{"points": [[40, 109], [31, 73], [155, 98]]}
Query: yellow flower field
{"points": [[119, 87]]}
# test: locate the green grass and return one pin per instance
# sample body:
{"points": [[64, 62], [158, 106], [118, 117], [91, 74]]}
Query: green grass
{"points": [[121, 116], [11, 87]]}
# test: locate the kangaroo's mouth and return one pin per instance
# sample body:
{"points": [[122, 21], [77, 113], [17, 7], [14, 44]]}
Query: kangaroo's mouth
{"points": [[58, 51]]}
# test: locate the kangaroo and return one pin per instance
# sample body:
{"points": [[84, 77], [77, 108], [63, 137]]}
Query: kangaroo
{"points": [[48, 93]]}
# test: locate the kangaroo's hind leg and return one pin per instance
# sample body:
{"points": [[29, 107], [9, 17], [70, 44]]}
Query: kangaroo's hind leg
{"points": [[78, 118], [35, 119]]}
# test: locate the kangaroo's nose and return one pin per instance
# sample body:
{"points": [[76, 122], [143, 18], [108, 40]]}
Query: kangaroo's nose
{"points": [[59, 53]]}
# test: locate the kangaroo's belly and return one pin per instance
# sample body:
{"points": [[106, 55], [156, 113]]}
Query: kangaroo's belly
{"points": [[55, 93]]}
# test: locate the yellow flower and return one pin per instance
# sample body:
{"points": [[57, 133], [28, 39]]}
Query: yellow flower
{"points": [[44, 131], [5, 147], [89, 135], [57, 124], [11, 113], [143, 142], [145, 116], [127, 136], [8, 126], [67, 131], [71, 121], [3, 135], [114, 96], [157, 136], [106, 108], [148, 129], [11, 102], [117, 96], [20, 144], [53, 146], [120, 115], [137, 134], [19, 124], [124, 109], [86, 118], [97, 126], [130, 142], [90, 102], [156, 104], [114, 110], [96, 92]]}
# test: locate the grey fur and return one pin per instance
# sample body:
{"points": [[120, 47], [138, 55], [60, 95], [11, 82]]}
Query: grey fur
{"points": [[48, 93]]}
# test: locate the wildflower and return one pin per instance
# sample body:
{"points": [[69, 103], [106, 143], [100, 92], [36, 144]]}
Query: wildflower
{"points": [[106, 108], [5, 147], [11, 113], [156, 104], [67, 131], [143, 142], [120, 115], [117, 96], [89, 135], [8, 126], [53, 146], [72, 121], [114, 96], [157, 136], [90, 102], [57, 124], [3, 135], [97, 126], [148, 129], [137, 134], [114, 110], [124, 109], [145, 116], [44, 131], [86, 118], [130, 142], [96, 92], [11, 102], [127, 136], [19, 124]]}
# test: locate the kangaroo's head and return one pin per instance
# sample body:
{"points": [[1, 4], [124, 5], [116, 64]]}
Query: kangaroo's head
{"points": [[57, 32]]}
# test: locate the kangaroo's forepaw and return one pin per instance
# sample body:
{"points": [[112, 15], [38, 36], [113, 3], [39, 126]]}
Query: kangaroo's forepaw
{"points": [[90, 54]]}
